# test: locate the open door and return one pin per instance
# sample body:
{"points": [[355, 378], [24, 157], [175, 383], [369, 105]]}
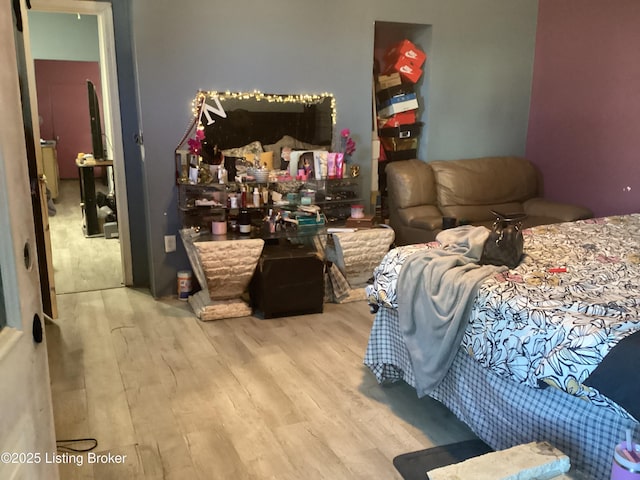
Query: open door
{"points": [[36, 173], [45, 265], [26, 422]]}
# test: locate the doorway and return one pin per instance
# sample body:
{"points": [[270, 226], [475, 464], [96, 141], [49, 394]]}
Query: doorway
{"points": [[82, 262]]}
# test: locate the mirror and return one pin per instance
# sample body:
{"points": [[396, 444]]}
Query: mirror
{"points": [[234, 121]]}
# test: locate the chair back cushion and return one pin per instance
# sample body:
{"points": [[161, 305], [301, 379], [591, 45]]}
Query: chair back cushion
{"points": [[468, 189], [410, 183]]}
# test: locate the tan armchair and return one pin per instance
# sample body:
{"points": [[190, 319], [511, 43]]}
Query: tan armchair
{"points": [[420, 194]]}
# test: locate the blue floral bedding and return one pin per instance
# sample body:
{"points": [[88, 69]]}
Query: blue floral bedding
{"points": [[552, 319]]}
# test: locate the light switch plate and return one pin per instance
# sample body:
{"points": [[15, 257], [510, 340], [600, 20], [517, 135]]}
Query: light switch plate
{"points": [[169, 243]]}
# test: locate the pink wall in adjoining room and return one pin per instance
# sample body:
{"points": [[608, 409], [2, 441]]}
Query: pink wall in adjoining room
{"points": [[63, 106], [584, 122]]}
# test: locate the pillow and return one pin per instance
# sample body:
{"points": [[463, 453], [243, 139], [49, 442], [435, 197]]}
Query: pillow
{"points": [[253, 148], [310, 146], [266, 159]]}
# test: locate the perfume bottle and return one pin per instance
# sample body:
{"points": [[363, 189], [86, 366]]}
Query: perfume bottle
{"points": [[244, 221], [243, 196], [222, 174]]}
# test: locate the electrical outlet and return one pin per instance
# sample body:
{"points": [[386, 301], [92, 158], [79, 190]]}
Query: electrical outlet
{"points": [[169, 243]]}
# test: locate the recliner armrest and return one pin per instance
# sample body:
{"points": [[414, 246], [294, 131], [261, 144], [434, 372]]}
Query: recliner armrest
{"points": [[540, 207]]}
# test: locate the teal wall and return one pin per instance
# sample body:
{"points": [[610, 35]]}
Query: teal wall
{"points": [[63, 36], [480, 70]]}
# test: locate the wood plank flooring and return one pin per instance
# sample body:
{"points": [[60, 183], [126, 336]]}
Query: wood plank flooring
{"points": [[234, 399], [80, 263]]}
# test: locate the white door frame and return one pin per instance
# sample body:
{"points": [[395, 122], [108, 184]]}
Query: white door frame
{"points": [[111, 106]]}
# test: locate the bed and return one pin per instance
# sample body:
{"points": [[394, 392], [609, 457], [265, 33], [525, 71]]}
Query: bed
{"points": [[535, 362]]}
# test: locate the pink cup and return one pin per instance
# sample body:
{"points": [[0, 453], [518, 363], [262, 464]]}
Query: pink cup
{"points": [[626, 463], [219, 228]]}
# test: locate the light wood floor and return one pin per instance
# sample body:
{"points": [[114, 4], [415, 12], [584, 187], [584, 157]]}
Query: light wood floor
{"points": [[80, 263], [233, 399]]}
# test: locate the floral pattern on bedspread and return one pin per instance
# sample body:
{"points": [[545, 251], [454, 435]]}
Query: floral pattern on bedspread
{"points": [[385, 276], [538, 327]]}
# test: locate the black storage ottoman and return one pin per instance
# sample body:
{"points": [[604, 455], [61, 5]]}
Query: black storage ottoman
{"points": [[289, 280]]}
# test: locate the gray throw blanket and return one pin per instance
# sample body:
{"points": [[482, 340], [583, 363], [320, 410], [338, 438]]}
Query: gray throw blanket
{"points": [[436, 290]]}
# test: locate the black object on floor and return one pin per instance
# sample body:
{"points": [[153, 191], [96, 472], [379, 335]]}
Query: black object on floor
{"points": [[415, 465], [288, 281]]}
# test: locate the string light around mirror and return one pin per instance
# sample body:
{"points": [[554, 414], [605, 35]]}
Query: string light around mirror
{"points": [[304, 98]]}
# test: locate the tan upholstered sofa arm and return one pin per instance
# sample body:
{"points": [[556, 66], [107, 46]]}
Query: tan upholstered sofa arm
{"points": [[540, 207]]}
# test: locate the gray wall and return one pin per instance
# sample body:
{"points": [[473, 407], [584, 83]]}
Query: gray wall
{"points": [[137, 208], [62, 36], [480, 69]]}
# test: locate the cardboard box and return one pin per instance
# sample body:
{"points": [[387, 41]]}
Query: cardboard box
{"points": [[395, 91], [402, 131], [394, 144], [388, 81], [405, 49], [400, 143], [402, 118], [393, 156], [408, 71], [111, 230], [399, 104]]}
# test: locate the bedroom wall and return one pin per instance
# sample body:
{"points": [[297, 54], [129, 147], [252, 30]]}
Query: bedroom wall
{"points": [[481, 62], [64, 36], [63, 109], [585, 103]]}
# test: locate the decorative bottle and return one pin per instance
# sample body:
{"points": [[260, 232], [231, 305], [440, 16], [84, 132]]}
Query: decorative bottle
{"points": [[244, 221]]}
